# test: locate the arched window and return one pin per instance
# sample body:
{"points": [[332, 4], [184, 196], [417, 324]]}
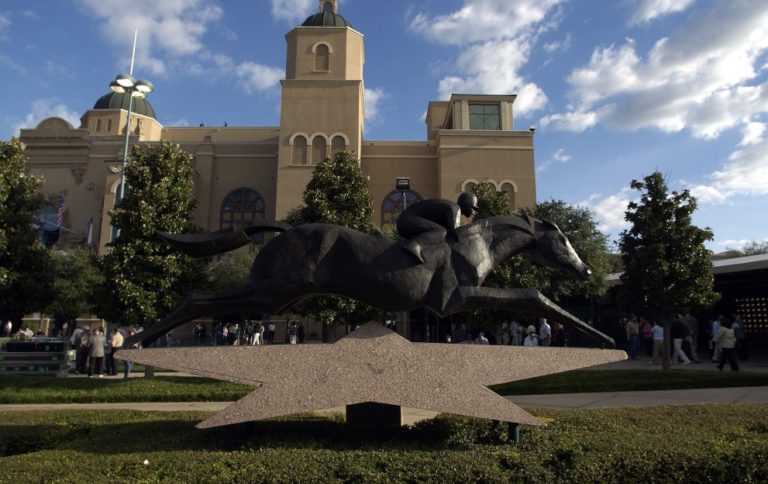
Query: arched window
{"points": [[109, 125], [322, 58], [318, 149], [328, 7], [241, 206], [114, 233], [98, 125], [299, 150], [46, 217], [392, 206], [338, 143], [510, 192]]}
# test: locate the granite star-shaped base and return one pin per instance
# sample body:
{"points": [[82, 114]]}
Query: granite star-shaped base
{"points": [[372, 364]]}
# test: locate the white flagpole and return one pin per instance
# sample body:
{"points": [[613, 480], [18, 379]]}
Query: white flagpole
{"points": [[133, 51]]}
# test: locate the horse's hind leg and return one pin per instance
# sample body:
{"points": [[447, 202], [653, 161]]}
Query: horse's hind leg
{"points": [[526, 301], [199, 305]]}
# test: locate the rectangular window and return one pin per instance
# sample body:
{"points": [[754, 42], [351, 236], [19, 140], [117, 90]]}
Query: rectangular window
{"points": [[484, 116]]}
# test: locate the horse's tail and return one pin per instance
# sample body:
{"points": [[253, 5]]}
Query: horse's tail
{"points": [[211, 243]]}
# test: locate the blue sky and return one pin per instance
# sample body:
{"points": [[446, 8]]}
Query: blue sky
{"points": [[615, 88]]}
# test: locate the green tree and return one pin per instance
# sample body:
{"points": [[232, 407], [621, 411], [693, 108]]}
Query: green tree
{"points": [[580, 226], [337, 194], [76, 279], [145, 278], [754, 247], [232, 270], [577, 223], [25, 267], [667, 268]]}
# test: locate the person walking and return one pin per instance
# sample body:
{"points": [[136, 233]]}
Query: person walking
{"points": [[516, 331], [128, 365], [726, 341], [115, 344], [96, 353], [693, 336], [633, 337], [679, 331], [545, 333], [646, 329], [531, 339], [715, 328], [657, 330]]}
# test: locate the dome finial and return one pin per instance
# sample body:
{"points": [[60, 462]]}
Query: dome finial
{"points": [[328, 6]]}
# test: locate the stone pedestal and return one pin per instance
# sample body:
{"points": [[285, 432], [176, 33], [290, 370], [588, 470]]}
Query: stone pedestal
{"points": [[372, 413]]}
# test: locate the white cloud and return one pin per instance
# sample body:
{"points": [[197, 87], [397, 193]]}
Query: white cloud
{"points": [[488, 31], [744, 173], [293, 11], [753, 133], [575, 122], [257, 77], [46, 108], [610, 210], [168, 30], [560, 156], [373, 99], [483, 20], [12, 64], [5, 23], [700, 78], [648, 10], [558, 45]]}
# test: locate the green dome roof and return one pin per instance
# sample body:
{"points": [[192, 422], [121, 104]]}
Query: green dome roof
{"points": [[326, 19], [114, 100]]}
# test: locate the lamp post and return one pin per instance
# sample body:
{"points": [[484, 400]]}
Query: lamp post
{"points": [[126, 83], [403, 184]]}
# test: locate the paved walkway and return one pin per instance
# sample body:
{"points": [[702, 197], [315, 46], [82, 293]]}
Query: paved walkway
{"points": [[412, 415], [561, 401]]}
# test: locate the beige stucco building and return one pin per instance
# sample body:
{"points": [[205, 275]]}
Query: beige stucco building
{"points": [[245, 173]]}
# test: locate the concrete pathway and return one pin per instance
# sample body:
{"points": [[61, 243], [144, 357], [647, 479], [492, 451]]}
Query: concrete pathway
{"points": [[412, 415]]}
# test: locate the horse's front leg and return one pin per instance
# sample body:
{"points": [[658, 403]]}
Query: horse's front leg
{"points": [[526, 301]]}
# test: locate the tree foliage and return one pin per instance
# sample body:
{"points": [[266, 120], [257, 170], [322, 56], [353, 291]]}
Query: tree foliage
{"points": [[337, 194], [77, 278], [577, 223], [145, 278], [754, 247], [667, 267], [25, 275], [232, 270]]}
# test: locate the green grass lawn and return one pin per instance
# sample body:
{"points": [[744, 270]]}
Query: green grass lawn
{"points": [[702, 443], [584, 381], [34, 389]]}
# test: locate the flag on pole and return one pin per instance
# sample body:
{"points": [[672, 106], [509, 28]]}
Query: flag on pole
{"points": [[60, 213], [89, 239]]}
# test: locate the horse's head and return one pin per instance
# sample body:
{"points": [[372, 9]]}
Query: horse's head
{"points": [[552, 249]]}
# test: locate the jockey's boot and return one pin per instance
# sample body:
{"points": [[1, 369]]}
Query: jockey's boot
{"points": [[414, 248]]}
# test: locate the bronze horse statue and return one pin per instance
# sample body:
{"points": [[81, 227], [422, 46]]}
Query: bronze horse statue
{"points": [[316, 259]]}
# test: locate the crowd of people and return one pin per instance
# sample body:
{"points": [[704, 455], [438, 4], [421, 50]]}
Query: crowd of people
{"points": [[95, 351], [726, 339], [251, 333], [515, 333]]}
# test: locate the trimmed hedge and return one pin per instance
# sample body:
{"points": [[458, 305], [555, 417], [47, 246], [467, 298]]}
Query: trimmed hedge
{"points": [[703, 443]]}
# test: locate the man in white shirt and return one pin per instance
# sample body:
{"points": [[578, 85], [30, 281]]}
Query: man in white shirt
{"points": [[545, 333]]}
